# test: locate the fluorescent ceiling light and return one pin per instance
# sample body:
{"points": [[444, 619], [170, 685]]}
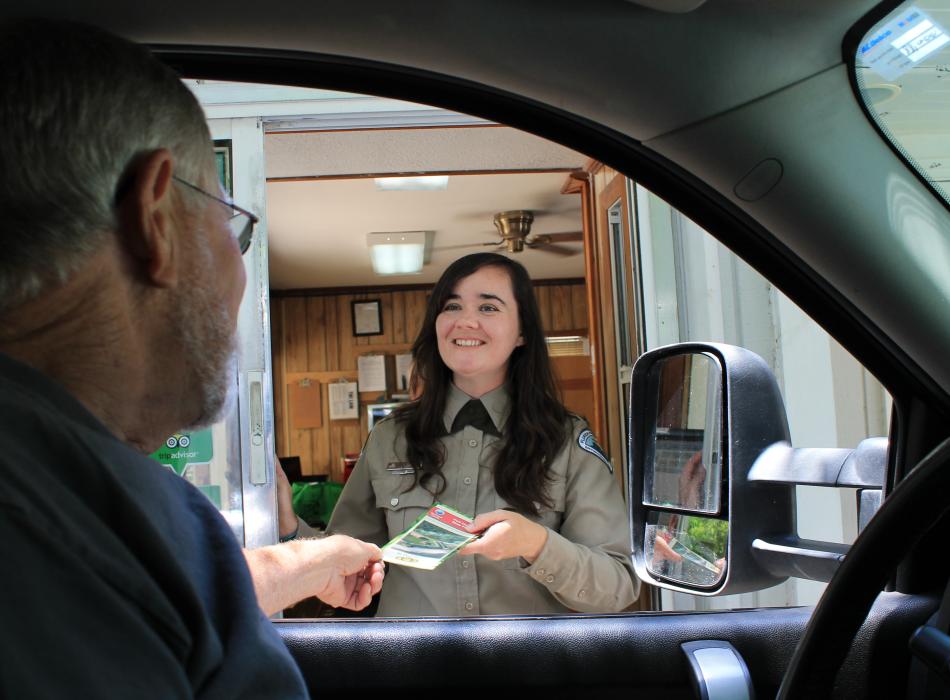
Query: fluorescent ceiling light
{"points": [[397, 252], [422, 182]]}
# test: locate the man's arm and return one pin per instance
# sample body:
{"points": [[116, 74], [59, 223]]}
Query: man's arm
{"points": [[339, 570]]}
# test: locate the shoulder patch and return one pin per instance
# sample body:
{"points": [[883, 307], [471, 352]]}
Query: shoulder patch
{"points": [[588, 443]]}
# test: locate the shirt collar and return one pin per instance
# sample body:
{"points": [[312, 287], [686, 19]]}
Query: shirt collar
{"points": [[497, 402], [16, 376]]}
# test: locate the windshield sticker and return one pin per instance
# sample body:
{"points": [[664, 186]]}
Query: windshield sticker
{"points": [[902, 43]]}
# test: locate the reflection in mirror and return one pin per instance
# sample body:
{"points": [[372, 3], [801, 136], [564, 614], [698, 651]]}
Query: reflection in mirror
{"points": [[682, 468], [687, 549]]}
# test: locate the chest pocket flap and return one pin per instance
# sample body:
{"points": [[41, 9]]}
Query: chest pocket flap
{"points": [[390, 494]]}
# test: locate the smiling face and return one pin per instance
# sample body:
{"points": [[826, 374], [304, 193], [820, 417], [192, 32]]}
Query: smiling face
{"points": [[478, 328]]}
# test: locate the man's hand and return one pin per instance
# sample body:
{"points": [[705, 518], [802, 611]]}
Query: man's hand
{"points": [[340, 570], [355, 575], [506, 534]]}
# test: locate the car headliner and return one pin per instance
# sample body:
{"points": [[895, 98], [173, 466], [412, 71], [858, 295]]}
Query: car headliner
{"points": [[692, 103]]}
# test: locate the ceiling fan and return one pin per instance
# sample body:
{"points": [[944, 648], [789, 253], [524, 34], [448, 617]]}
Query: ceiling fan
{"points": [[514, 228]]}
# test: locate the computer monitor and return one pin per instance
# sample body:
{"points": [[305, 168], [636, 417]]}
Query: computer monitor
{"points": [[378, 411]]}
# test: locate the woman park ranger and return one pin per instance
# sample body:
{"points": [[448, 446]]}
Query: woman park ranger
{"points": [[489, 437]]}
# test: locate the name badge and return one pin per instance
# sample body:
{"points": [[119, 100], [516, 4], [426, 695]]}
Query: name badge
{"points": [[399, 468]]}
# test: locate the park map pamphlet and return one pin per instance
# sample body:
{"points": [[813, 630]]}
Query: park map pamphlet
{"points": [[431, 540]]}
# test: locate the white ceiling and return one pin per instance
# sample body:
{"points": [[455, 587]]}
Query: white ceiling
{"points": [[317, 227]]}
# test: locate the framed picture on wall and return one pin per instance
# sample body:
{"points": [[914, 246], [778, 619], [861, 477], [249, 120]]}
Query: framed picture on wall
{"points": [[222, 161], [367, 317]]}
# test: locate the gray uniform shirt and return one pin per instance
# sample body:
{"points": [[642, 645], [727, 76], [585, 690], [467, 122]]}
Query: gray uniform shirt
{"points": [[584, 566]]}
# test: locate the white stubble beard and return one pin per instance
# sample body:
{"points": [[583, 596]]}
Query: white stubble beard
{"points": [[210, 352]]}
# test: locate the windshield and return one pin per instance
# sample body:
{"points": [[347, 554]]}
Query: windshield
{"points": [[903, 73]]}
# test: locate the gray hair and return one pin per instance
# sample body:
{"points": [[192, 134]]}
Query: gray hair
{"points": [[77, 106]]}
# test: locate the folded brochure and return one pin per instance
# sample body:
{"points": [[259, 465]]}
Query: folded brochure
{"points": [[432, 539]]}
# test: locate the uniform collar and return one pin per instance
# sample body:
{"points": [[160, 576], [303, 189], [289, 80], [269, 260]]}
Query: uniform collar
{"points": [[497, 402]]}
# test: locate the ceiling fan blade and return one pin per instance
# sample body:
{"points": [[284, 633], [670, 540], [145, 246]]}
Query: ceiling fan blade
{"points": [[463, 245], [563, 236], [553, 248]]}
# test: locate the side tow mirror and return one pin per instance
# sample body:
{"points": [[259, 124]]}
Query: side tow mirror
{"points": [[700, 415]]}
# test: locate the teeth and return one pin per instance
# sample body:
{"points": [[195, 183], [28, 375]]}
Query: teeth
{"points": [[468, 343]]}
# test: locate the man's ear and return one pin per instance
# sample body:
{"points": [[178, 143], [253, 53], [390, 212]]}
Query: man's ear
{"points": [[147, 225]]}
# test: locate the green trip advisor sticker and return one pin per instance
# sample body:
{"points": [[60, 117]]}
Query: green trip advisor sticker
{"points": [[183, 449]]}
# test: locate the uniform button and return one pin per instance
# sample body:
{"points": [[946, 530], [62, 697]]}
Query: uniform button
{"points": [[540, 572], [469, 606], [466, 563], [394, 501], [581, 593], [550, 578], [467, 480], [473, 443]]}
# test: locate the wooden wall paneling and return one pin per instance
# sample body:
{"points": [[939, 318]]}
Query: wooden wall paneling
{"points": [[562, 317], [579, 305], [344, 328], [352, 442], [335, 469], [398, 315], [575, 382], [301, 445], [316, 334], [296, 359], [415, 313], [331, 325], [295, 335], [543, 295]]}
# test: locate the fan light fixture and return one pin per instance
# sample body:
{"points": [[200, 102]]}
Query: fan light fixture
{"points": [[415, 182], [397, 252]]}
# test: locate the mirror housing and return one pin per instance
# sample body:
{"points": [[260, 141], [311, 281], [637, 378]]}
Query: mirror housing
{"points": [[745, 416]]}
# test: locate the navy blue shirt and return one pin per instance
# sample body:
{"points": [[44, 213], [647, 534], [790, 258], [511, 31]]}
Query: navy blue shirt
{"points": [[117, 577]]}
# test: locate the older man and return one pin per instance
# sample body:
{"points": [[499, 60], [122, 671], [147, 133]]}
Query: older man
{"points": [[121, 269]]}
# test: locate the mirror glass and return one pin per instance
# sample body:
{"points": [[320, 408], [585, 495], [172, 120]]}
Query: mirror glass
{"points": [[686, 548], [682, 466]]}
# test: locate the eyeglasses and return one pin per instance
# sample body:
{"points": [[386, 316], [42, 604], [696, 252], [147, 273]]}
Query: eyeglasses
{"points": [[241, 222]]}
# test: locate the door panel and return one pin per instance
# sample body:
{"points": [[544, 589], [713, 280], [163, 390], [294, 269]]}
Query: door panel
{"points": [[576, 655], [574, 379], [564, 654]]}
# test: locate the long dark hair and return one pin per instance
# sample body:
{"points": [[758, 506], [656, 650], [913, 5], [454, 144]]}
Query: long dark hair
{"points": [[537, 424]]}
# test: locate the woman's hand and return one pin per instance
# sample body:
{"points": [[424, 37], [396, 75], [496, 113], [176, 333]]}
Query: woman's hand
{"points": [[663, 552], [286, 517], [691, 482], [505, 535]]}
